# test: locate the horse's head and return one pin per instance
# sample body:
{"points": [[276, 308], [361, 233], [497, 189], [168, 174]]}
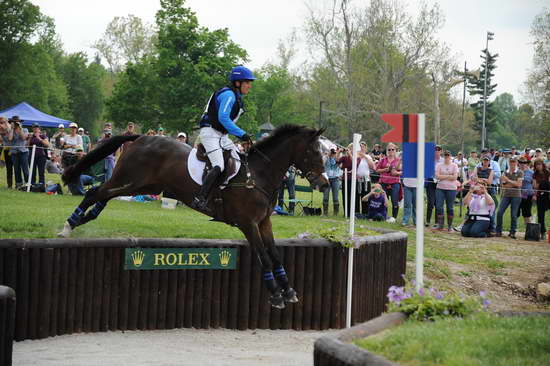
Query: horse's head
{"points": [[309, 159]]}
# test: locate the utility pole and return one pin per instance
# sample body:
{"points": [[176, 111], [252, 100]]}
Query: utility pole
{"points": [[463, 106], [483, 131]]}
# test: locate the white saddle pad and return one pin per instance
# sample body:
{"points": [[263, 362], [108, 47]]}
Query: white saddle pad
{"points": [[196, 167]]}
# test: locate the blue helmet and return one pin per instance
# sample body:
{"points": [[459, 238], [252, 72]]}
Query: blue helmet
{"points": [[241, 73]]}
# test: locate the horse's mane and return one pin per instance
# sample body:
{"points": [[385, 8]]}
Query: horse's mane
{"points": [[281, 133]]}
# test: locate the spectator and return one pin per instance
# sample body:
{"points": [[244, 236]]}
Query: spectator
{"points": [[19, 152], [130, 130], [110, 159], [527, 193], [53, 166], [58, 137], [492, 187], [77, 189], [182, 137], [390, 171], [462, 165], [376, 150], [446, 174], [40, 156], [160, 132], [511, 181], [431, 184], [493, 154], [514, 151], [333, 172], [71, 143], [5, 155], [377, 202], [527, 154], [409, 188], [289, 181], [480, 207], [345, 163], [504, 160], [496, 155], [547, 159], [541, 183], [86, 142], [151, 133], [473, 161], [366, 165], [538, 154]]}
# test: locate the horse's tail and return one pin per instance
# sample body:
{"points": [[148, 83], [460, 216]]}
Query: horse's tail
{"points": [[71, 174]]}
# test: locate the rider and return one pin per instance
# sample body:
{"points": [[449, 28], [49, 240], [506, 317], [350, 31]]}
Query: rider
{"points": [[223, 110]]}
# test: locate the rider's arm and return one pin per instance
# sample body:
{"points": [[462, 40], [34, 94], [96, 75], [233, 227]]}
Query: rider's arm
{"points": [[226, 100]]}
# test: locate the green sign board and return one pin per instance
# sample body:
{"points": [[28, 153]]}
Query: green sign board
{"points": [[181, 258]]}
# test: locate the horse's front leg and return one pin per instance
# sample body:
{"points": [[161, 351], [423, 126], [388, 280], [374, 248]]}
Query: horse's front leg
{"points": [[253, 236], [266, 232]]}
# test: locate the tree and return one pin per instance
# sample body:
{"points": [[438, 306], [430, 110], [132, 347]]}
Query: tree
{"points": [[476, 88], [126, 39], [190, 63], [84, 82]]}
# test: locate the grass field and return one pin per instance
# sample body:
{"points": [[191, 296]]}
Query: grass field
{"points": [[478, 340]]}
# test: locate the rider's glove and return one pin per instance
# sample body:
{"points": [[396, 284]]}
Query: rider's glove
{"points": [[246, 138]]}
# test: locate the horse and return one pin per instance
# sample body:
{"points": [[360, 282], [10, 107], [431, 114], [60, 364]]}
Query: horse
{"points": [[154, 164]]}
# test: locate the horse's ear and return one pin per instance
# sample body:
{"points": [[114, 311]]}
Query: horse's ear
{"points": [[318, 133]]}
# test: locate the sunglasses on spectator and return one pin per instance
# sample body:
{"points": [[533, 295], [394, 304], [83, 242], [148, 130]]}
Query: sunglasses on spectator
{"points": [[391, 149]]}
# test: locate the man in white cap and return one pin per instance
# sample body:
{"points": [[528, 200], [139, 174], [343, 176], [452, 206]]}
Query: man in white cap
{"points": [[182, 137], [58, 136], [85, 140]]}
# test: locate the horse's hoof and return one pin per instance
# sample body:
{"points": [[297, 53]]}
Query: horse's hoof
{"points": [[66, 232], [277, 301], [290, 295]]}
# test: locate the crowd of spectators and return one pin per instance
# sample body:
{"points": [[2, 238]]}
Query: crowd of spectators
{"points": [[490, 183]]}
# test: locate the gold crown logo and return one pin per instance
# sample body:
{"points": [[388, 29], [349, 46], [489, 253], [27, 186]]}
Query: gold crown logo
{"points": [[225, 255], [137, 258]]}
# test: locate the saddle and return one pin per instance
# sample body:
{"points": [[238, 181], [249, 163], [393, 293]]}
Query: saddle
{"points": [[228, 161]]}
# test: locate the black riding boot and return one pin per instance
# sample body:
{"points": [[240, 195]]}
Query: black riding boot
{"points": [[201, 200]]}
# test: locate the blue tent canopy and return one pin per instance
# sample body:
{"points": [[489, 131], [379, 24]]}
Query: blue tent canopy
{"points": [[31, 115]]}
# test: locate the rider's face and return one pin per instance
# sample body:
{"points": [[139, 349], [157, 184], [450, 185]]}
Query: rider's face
{"points": [[245, 86]]}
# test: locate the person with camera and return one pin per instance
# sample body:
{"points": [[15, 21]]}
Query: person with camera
{"points": [[5, 155], [39, 139], [17, 138], [377, 202], [389, 169], [58, 137], [334, 172], [71, 143], [480, 207]]}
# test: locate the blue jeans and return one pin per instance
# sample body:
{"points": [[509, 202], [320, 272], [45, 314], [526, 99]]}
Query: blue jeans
{"points": [[447, 197], [334, 186], [475, 228], [394, 195], [109, 166], [20, 165], [77, 189], [410, 205], [514, 202], [290, 184], [493, 193]]}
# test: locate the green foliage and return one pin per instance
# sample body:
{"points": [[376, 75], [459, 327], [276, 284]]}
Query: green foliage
{"points": [[430, 304], [191, 62]]}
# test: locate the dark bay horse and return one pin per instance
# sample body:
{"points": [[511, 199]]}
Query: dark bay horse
{"points": [[153, 164]]}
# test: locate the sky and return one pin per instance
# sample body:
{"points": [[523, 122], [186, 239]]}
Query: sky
{"points": [[259, 25]]}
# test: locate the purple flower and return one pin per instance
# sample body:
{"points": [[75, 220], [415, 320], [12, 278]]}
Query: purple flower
{"points": [[486, 303], [482, 294], [432, 291], [439, 295], [397, 294], [421, 291]]}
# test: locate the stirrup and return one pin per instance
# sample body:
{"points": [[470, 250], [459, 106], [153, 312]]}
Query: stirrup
{"points": [[199, 203]]}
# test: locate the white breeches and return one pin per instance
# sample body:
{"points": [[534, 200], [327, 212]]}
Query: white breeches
{"points": [[215, 142]]}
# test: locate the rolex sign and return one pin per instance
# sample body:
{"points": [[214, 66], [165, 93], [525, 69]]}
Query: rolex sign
{"points": [[180, 258]]}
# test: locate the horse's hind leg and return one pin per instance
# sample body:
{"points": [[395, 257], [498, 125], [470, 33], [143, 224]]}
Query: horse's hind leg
{"points": [[266, 231]]}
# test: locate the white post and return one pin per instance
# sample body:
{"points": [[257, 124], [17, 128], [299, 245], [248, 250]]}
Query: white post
{"points": [[345, 192], [356, 139], [31, 168], [420, 202]]}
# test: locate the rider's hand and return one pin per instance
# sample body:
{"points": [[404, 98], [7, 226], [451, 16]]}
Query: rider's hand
{"points": [[246, 138]]}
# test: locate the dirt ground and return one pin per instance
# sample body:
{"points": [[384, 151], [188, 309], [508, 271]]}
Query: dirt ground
{"points": [[195, 347], [507, 270]]}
